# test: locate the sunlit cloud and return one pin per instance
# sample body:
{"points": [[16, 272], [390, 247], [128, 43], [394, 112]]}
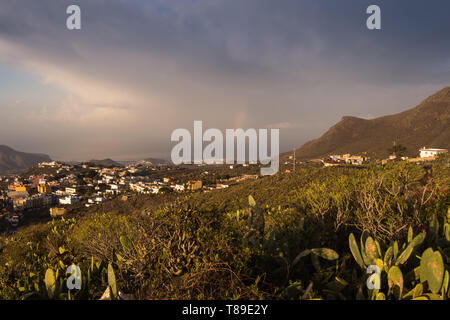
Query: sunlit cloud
{"points": [[140, 69]]}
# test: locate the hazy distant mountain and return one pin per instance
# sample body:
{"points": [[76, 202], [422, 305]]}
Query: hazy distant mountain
{"points": [[428, 125], [12, 161], [156, 161], [147, 161], [104, 163], [71, 163]]}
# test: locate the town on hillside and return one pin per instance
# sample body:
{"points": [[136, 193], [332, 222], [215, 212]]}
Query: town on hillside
{"points": [[51, 188]]}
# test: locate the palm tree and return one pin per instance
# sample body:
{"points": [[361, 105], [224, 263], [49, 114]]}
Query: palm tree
{"points": [[397, 150]]}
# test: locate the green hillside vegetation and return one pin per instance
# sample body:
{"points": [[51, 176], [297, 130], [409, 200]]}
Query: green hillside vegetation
{"points": [[310, 234]]}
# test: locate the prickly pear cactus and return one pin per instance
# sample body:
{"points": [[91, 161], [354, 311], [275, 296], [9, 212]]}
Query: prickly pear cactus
{"points": [[447, 231], [50, 283], [355, 251], [112, 280], [410, 234], [381, 296], [126, 243], [432, 270], [259, 222], [326, 253], [371, 251], [404, 256], [395, 281], [364, 236], [388, 257]]}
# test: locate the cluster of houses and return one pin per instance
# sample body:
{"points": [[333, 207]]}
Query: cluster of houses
{"points": [[347, 158], [69, 184], [66, 188], [425, 154], [87, 185]]}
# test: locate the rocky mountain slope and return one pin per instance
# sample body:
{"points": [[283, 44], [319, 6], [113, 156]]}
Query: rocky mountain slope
{"points": [[427, 124]]}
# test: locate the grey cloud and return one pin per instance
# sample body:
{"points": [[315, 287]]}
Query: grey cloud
{"points": [[139, 69]]}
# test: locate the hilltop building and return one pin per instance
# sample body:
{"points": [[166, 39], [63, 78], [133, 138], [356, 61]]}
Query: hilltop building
{"points": [[357, 160], [335, 159], [430, 152], [50, 164]]}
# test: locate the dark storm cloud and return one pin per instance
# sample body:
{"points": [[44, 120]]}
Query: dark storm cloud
{"points": [[139, 69]]}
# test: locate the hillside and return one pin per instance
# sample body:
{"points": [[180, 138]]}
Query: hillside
{"points": [[12, 161], [156, 161], [146, 161], [428, 125], [104, 163], [296, 229]]}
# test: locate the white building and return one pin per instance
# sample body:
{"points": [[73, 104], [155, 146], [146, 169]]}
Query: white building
{"points": [[60, 193], [108, 179], [48, 164], [100, 199], [155, 190], [71, 191], [178, 187], [140, 189], [69, 200], [430, 152]]}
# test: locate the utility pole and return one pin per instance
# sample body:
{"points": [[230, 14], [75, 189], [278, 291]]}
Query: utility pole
{"points": [[294, 161]]}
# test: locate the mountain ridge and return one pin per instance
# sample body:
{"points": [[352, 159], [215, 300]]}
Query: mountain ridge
{"points": [[103, 162], [13, 161], [427, 124]]}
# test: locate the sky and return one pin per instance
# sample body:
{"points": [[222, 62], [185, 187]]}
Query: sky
{"points": [[139, 69]]}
